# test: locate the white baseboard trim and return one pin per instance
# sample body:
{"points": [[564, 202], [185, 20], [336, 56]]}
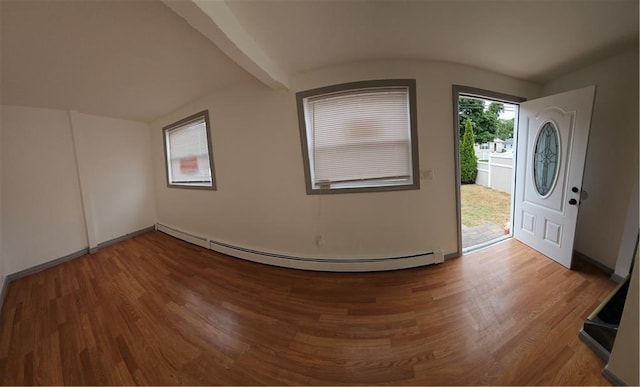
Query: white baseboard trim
{"points": [[308, 263], [185, 236]]}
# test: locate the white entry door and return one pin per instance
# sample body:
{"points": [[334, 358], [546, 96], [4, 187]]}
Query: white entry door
{"points": [[552, 141]]}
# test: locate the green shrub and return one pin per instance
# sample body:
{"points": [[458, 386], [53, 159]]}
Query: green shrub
{"points": [[468, 159]]}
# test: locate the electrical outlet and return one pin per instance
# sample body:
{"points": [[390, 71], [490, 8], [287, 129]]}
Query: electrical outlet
{"points": [[319, 241]]}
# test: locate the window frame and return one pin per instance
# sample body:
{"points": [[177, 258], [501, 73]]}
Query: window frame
{"points": [[181, 123], [410, 84]]}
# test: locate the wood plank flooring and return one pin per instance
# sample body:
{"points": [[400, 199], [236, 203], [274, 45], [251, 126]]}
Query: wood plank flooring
{"points": [[154, 310]]}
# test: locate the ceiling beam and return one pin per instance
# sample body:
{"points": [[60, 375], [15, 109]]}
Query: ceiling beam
{"points": [[219, 24]]}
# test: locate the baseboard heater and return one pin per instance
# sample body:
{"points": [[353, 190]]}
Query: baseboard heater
{"points": [[309, 263]]}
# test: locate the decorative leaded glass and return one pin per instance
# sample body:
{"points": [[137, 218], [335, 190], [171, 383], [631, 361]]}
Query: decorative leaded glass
{"points": [[545, 159]]}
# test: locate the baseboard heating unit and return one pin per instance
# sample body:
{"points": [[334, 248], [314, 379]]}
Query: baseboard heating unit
{"points": [[341, 264]]}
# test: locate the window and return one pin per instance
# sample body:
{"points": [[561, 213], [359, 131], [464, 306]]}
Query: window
{"points": [[188, 153], [360, 136], [545, 159]]}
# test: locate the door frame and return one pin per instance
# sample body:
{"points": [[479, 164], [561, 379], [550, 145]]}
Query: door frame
{"points": [[484, 94]]}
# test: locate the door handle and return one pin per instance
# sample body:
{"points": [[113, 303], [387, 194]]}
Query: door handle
{"points": [[573, 202]]}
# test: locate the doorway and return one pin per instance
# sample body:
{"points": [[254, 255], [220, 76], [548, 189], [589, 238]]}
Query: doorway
{"points": [[485, 124]]}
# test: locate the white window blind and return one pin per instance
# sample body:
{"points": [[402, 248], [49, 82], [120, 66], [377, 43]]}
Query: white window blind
{"points": [[360, 136], [188, 154]]}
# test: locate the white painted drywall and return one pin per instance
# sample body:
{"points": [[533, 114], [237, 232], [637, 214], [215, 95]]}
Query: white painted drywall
{"points": [[2, 276], [114, 159], [261, 202], [612, 155], [623, 362], [41, 209], [46, 176], [629, 238]]}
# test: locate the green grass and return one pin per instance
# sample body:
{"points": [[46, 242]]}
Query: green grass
{"points": [[482, 205]]}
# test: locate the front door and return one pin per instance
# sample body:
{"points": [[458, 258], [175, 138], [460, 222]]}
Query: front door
{"points": [[552, 141]]}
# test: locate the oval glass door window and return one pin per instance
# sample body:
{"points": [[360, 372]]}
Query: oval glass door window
{"points": [[545, 159]]}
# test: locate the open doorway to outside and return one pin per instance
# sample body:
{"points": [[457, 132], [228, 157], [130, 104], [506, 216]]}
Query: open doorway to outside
{"points": [[485, 130]]}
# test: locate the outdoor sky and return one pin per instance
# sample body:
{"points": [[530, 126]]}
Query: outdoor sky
{"points": [[509, 112]]}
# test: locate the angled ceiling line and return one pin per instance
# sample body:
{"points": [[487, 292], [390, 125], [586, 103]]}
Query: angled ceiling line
{"points": [[216, 22]]}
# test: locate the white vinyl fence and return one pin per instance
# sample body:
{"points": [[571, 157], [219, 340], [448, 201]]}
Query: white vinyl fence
{"points": [[497, 172]]}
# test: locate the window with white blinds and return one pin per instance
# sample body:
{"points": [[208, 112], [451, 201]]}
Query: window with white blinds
{"points": [[188, 156], [360, 136]]}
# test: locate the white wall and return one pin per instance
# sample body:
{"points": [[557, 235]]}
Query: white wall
{"points": [[114, 159], [624, 359], [1, 264], [43, 186], [261, 201], [629, 238], [41, 208], [612, 155]]}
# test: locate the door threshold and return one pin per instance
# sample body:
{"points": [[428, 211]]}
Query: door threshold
{"points": [[486, 244]]}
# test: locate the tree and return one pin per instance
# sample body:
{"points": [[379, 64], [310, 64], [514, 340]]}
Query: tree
{"points": [[484, 120], [469, 109], [505, 129], [468, 159], [491, 120]]}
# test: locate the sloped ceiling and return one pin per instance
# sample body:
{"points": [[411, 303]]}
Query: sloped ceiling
{"points": [[126, 59], [139, 60]]}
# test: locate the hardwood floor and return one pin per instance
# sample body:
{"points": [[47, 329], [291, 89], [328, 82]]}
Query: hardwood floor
{"points": [[155, 310]]}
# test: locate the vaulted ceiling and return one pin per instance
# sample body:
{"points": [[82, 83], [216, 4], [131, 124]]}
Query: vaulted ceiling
{"points": [[124, 59], [140, 60]]}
